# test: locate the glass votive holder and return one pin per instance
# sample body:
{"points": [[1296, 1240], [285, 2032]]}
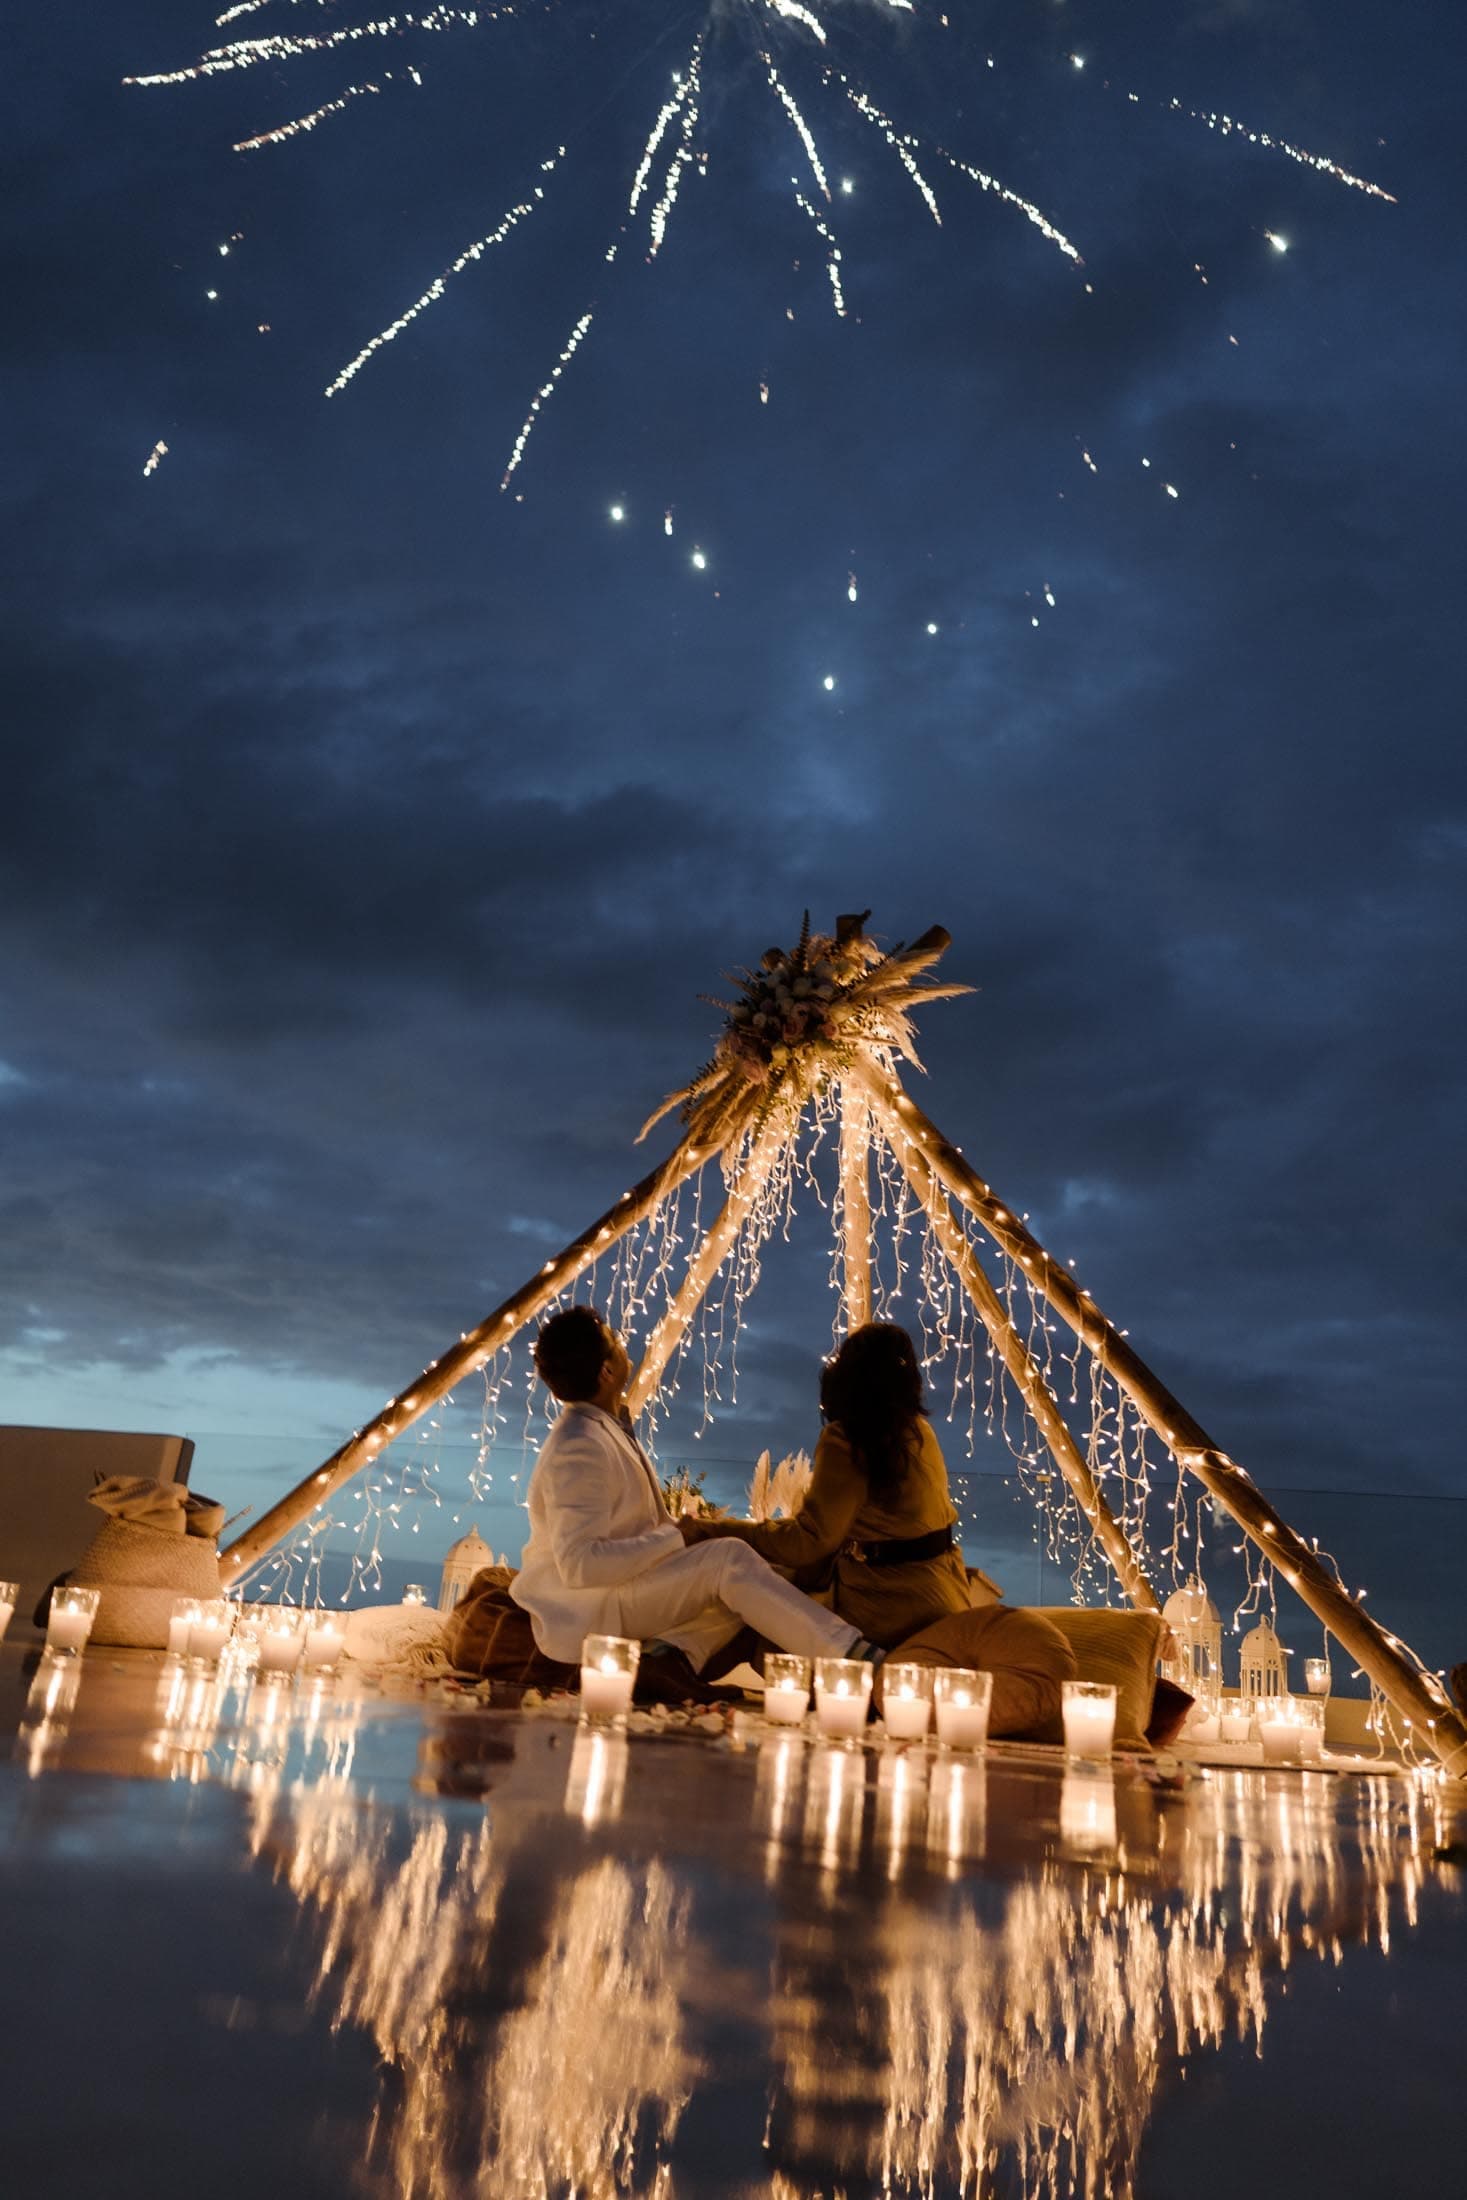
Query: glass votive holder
{"points": [[69, 1621], [324, 1641], [180, 1623], [906, 1700], [1204, 1720], [786, 1688], [608, 1675], [1281, 1729], [961, 1698], [1316, 1676], [1090, 1718], [1234, 1720], [842, 1697], [415, 1593], [280, 1640], [210, 1628], [9, 1591], [1310, 1711]]}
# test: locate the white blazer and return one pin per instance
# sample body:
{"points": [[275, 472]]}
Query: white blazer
{"points": [[597, 1519]]}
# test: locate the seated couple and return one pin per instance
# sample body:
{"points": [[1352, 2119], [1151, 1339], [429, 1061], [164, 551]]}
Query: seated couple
{"points": [[874, 1533]]}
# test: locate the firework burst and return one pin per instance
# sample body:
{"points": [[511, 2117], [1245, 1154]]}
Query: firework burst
{"points": [[785, 36]]}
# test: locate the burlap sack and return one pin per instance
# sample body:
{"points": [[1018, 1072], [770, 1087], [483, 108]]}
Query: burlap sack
{"points": [[487, 1634], [139, 1572]]}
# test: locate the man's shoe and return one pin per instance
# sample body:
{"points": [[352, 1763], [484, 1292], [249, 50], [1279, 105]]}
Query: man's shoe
{"points": [[666, 1675]]}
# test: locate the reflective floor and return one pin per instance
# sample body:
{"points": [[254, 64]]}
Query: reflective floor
{"points": [[295, 1942]]}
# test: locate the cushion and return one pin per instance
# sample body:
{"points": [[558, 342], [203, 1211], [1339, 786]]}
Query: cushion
{"points": [[1120, 1647], [1169, 1708], [1027, 1657]]}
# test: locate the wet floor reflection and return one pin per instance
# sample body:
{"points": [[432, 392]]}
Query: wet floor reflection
{"points": [[898, 1973]]}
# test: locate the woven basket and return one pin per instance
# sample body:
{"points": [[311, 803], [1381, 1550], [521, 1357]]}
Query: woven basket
{"points": [[139, 1572]]}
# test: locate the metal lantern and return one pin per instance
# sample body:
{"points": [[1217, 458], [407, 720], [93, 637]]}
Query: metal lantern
{"points": [[469, 1556], [1196, 1629], [1263, 1663]]}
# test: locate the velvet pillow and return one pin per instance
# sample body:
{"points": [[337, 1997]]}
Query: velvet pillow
{"points": [[1119, 1647]]}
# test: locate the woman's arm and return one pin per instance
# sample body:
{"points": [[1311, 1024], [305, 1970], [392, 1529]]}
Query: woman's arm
{"points": [[823, 1523]]}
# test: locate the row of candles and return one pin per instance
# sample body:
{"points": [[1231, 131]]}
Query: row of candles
{"points": [[1289, 1729], [200, 1628], [914, 1698]]}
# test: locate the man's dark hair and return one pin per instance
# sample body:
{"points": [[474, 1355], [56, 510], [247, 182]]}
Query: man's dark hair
{"points": [[570, 1352]]}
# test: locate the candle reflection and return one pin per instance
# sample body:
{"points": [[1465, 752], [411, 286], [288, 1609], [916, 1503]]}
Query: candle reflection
{"points": [[906, 2023], [49, 1703], [1088, 1812], [598, 1776]]}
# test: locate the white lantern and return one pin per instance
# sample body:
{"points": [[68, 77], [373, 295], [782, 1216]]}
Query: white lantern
{"points": [[1262, 1667], [469, 1556], [1196, 1659]]}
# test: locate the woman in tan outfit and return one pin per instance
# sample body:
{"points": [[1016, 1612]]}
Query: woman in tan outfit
{"points": [[877, 1520]]}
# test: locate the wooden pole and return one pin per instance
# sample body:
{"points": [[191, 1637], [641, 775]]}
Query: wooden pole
{"points": [[708, 1257], [1026, 1375], [1418, 1699], [470, 1353], [855, 1190]]}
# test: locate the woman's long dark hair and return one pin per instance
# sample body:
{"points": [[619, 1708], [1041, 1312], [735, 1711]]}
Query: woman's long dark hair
{"points": [[873, 1387]]}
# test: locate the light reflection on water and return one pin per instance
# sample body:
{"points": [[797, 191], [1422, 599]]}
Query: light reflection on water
{"points": [[929, 1999]]}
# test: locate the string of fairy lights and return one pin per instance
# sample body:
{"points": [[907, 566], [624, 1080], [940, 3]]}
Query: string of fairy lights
{"points": [[1160, 1507]]}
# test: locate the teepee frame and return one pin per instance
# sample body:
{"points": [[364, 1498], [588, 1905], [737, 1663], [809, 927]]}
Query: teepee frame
{"points": [[732, 1122]]}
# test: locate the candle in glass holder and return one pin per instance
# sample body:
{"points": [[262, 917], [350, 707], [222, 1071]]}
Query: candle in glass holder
{"points": [[1090, 1717], [9, 1591], [1235, 1721], [1310, 1713], [608, 1674], [906, 1701], [1316, 1676], [325, 1640], [786, 1688], [280, 1642], [210, 1629], [1280, 1730], [842, 1696], [69, 1622], [961, 1699], [1204, 1720], [185, 1611]]}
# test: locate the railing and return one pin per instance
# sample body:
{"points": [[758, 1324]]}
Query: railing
{"points": [[1408, 1552]]}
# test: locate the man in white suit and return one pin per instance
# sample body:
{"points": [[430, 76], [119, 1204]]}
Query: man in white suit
{"points": [[605, 1556]]}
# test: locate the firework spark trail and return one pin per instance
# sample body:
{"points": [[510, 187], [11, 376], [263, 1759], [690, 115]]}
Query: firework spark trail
{"points": [[660, 127], [1229, 126], [249, 53], [794, 13], [549, 386], [879, 121], [440, 283], [155, 458], [302, 123], [1026, 207], [800, 125], [682, 158], [832, 263]]}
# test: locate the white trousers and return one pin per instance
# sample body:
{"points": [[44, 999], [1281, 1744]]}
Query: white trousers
{"points": [[697, 1599]]}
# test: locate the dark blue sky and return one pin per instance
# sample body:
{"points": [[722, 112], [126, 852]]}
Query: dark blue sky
{"points": [[369, 835]]}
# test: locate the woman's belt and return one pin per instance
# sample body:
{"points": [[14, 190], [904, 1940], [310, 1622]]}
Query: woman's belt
{"points": [[904, 1551]]}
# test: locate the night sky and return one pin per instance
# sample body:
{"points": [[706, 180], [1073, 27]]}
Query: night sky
{"points": [[369, 834]]}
